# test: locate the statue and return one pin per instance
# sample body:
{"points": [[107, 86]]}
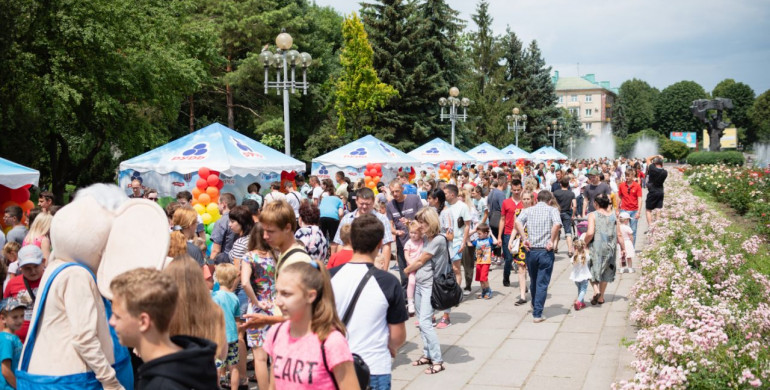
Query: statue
{"points": [[716, 127]]}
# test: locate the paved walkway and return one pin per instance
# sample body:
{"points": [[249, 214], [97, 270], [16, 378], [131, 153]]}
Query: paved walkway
{"points": [[493, 344]]}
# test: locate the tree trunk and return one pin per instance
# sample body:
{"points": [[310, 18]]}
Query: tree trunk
{"points": [[229, 96], [192, 114]]}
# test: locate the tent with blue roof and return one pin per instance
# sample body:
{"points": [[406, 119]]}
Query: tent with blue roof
{"points": [[354, 157], [13, 175], [485, 153], [513, 152], [548, 153], [438, 151], [239, 159]]}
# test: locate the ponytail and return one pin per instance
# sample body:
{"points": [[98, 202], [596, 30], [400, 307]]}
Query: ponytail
{"points": [[177, 246]]}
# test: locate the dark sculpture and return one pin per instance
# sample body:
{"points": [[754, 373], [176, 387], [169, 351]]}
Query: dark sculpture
{"points": [[714, 121]]}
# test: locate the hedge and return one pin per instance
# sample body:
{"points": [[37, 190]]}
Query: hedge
{"points": [[710, 158]]}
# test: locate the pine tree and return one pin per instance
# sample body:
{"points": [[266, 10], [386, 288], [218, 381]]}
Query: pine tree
{"points": [[538, 95]]}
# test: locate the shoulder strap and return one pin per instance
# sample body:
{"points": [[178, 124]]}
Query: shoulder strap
{"points": [[32, 333], [288, 254], [29, 289], [275, 335], [326, 365], [295, 196], [354, 300]]}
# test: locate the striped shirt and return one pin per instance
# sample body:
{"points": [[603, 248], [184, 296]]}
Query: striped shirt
{"points": [[539, 220], [348, 219]]}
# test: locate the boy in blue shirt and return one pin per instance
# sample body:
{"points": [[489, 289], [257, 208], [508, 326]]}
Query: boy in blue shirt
{"points": [[484, 245], [12, 315], [227, 276]]}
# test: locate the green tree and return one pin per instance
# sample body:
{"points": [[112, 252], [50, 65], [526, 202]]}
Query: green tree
{"points": [[743, 99], [760, 117], [539, 96], [358, 90], [672, 107], [636, 99], [619, 120]]}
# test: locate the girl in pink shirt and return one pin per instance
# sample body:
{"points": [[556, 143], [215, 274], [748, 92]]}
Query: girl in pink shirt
{"points": [[412, 250], [309, 351]]}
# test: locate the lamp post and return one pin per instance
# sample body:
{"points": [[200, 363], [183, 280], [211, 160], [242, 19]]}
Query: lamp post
{"points": [[556, 131], [513, 123], [282, 59], [454, 102]]}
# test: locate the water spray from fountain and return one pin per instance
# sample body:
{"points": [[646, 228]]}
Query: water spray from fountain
{"points": [[596, 147], [763, 155], [644, 147]]}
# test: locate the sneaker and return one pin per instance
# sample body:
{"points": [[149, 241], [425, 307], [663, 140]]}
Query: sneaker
{"points": [[538, 320], [443, 323], [466, 291], [506, 283], [410, 308], [631, 271], [576, 305], [488, 295]]}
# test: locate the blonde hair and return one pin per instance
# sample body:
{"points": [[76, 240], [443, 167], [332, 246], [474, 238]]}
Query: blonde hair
{"points": [[9, 247], [279, 214], [580, 252], [40, 227], [227, 275], [429, 216], [531, 184], [196, 312], [413, 225], [147, 290], [183, 218], [324, 313]]}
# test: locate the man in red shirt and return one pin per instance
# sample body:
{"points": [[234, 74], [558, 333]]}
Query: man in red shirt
{"points": [[24, 287], [510, 208], [631, 199]]}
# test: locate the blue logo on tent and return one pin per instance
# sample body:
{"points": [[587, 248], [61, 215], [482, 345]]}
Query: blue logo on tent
{"points": [[323, 171], [358, 152], [385, 148], [432, 151], [482, 151], [245, 150], [197, 152], [509, 152], [240, 145]]}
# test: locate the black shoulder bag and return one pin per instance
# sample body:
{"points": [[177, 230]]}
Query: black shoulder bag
{"points": [[446, 292], [362, 369]]}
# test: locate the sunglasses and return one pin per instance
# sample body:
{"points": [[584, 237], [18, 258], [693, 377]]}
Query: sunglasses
{"points": [[153, 199]]}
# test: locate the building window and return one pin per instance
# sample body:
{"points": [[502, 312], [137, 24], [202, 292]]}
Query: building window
{"points": [[589, 112], [574, 112], [588, 98], [561, 99], [573, 98], [588, 126]]}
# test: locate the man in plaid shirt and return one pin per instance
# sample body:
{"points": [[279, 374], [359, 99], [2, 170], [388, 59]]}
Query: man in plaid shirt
{"points": [[543, 224]]}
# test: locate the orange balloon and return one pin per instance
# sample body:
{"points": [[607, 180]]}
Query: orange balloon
{"points": [[213, 192], [194, 202], [28, 205], [204, 199], [196, 192]]}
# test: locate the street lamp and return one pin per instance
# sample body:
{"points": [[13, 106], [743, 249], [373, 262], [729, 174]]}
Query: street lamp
{"points": [[453, 102], [513, 123], [282, 59], [556, 131]]}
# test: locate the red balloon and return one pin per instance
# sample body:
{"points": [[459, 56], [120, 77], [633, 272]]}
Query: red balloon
{"points": [[203, 172], [201, 184], [213, 172], [20, 195], [378, 167], [212, 180], [220, 185]]}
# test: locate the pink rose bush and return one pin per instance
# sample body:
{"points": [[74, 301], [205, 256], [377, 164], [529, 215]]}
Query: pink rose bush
{"points": [[703, 313]]}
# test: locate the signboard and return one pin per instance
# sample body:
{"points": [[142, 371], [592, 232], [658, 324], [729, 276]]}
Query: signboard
{"points": [[688, 138], [729, 139]]}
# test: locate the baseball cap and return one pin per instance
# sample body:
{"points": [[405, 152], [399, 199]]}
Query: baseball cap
{"points": [[11, 304], [30, 254], [593, 172], [624, 215]]}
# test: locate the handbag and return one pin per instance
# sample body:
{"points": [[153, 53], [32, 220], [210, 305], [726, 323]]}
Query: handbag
{"points": [[446, 292], [80, 381], [494, 219]]}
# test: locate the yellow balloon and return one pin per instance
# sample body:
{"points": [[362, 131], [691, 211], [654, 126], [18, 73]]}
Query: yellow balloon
{"points": [[199, 208], [212, 209], [207, 219]]}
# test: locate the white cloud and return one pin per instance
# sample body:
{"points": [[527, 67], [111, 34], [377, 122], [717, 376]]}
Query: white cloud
{"points": [[660, 41]]}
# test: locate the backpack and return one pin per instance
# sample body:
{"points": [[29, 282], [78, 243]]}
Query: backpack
{"points": [[446, 292]]}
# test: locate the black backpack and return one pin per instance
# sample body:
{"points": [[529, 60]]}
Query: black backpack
{"points": [[446, 292]]}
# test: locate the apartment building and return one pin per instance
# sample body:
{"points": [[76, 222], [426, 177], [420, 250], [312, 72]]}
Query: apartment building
{"points": [[586, 99]]}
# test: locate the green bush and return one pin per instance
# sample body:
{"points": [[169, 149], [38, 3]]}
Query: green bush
{"points": [[674, 150], [710, 158]]}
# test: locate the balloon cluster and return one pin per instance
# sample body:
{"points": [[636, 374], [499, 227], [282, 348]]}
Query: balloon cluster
{"points": [[444, 169], [494, 164], [372, 175], [15, 197], [206, 198]]}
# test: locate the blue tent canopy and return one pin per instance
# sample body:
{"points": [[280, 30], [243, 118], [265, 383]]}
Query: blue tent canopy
{"points": [[239, 159], [548, 153], [438, 151], [514, 153], [485, 153], [13, 175], [353, 158]]}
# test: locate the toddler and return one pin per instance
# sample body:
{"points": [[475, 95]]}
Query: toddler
{"points": [[346, 253], [628, 236], [12, 315], [227, 276], [580, 272], [484, 244], [412, 250]]}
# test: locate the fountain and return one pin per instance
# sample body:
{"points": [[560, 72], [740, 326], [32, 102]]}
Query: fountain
{"points": [[763, 155], [596, 147], [644, 147]]}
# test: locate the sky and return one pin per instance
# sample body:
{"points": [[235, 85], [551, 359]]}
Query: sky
{"points": [[658, 41]]}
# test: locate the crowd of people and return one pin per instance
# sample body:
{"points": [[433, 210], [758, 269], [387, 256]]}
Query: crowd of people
{"points": [[300, 277]]}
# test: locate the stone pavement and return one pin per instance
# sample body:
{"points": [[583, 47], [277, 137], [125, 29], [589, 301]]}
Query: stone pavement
{"points": [[493, 344]]}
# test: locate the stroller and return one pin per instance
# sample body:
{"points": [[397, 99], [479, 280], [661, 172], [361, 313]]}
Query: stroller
{"points": [[579, 227]]}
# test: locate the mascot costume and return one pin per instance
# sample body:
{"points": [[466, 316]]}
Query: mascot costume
{"points": [[98, 236]]}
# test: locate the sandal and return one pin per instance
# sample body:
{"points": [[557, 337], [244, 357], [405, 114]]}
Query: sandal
{"points": [[599, 302], [480, 296], [433, 370], [422, 361], [520, 302], [595, 299]]}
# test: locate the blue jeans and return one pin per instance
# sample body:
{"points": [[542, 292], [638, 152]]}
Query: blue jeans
{"points": [[540, 267], [431, 348], [582, 286], [380, 382], [633, 222], [507, 257]]}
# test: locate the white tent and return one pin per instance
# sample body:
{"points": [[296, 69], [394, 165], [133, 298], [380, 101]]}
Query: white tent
{"points": [[354, 157], [485, 153]]}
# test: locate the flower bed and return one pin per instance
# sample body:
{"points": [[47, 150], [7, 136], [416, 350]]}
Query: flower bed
{"points": [[747, 191], [703, 314]]}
